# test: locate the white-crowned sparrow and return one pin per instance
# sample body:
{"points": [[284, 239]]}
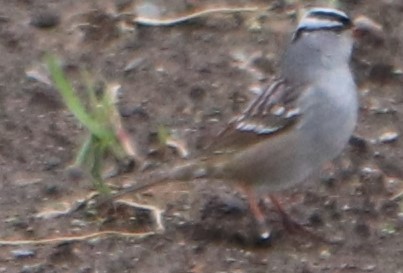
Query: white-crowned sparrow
{"points": [[302, 120]]}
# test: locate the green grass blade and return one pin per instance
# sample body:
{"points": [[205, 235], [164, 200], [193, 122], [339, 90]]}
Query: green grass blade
{"points": [[72, 101]]}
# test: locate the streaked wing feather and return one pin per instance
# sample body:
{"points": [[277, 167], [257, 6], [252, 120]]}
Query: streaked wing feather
{"points": [[270, 113]]}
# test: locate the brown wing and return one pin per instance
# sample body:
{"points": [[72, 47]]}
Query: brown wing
{"points": [[270, 113]]}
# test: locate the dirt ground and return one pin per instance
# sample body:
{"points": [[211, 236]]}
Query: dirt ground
{"points": [[190, 78]]}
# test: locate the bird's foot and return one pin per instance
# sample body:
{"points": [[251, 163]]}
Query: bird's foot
{"points": [[292, 226], [264, 232]]}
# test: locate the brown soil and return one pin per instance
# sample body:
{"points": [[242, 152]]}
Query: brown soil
{"points": [[189, 78]]}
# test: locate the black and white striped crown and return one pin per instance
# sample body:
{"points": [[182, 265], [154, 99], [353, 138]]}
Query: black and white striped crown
{"points": [[323, 18]]}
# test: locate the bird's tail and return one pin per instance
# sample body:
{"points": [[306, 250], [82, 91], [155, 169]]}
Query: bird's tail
{"points": [[185, 172]]}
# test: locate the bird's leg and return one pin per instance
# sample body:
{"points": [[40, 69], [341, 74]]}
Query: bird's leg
{"points": [[290, 224], [264, 231]]}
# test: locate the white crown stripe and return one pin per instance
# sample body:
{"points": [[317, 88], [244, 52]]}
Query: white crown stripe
{"points": [[322, 18], [328, 12]]}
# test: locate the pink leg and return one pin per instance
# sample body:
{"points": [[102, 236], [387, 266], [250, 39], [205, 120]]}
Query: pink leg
{"points": [[264, 232], [290, 224]]}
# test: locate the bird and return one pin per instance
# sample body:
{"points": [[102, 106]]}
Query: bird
{"points": [[302, 120]]}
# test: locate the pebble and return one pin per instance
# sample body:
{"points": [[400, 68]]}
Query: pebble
{"points": [[254, 25], [370, 267], [38, 73], [78, 223], [85, 269], [52, 189], [138, 111], [34, 268], [23, 253], [372, 180], [388, 137], [315, 218], [387, 231], [52, 162], [45, 19], [393, 185], [325, 254], [133, 64], [17, 222], [74, 173]]}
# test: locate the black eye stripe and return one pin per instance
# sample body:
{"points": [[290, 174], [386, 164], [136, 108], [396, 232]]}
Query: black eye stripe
{"points": [[322, 19], [329, 14]]}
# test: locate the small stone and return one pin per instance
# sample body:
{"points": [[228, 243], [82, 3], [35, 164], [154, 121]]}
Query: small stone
{"points": [[372, 180], [45, 19], [325, 254], [34, 268], [52, 163], [388, 137], [133, 64], [17, 222], [346, 207], [387, 231], [230, 260], [315, 218], [138, 111], [85, 269], [74, 173], [369, 267], [52, 189], [78, 223], [254, 25], [336, 238], [38, 73], [23, 253], [392, 185]]}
